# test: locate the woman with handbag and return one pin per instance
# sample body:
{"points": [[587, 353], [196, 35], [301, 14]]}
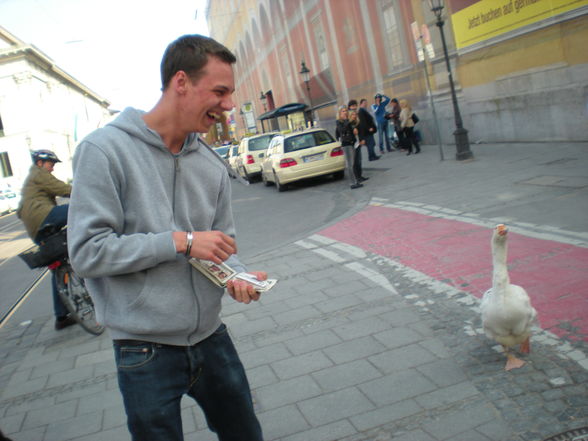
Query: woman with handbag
{"points": [[407, 122], [345, 134]]}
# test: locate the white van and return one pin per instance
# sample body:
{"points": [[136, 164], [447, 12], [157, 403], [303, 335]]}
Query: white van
{"points": [[251, 152]]}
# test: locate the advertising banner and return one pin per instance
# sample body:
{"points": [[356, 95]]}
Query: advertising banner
{"points": [[489, 18]]}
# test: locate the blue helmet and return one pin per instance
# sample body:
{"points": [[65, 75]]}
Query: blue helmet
{"points": [[44, 155]]}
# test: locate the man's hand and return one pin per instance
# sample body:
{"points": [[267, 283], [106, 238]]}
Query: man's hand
{"points": [[208, 245], [244, 292]]}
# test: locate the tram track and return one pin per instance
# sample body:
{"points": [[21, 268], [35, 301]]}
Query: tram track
{"points": [[5, 315]]}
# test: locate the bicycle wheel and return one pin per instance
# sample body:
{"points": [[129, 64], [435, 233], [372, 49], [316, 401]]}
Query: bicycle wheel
{"points": [[76, 299]]}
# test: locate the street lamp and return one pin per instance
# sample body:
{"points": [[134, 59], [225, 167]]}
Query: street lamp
{"points": [[306, 78], [263, 99], [462, 142]]}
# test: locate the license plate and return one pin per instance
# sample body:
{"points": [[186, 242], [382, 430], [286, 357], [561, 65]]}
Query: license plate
{"points": [[313, 158]]}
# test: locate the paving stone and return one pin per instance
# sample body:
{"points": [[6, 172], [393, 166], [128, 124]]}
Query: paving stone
{"points": [[397, 337], [385, 414], [354, 349], [50, 414], [401, 317], [495, 430], [17, 388], [296, 315], [417, 435], [114, 417], [397, 386], [120, 433], [261, 376], [95, 357], [287, 392], [402, 358], [470, 435], [70, 376], [252, 327], [312, 342], [12, 423], [443, 372], [264, 355], [447, 395], [36, 357], [345, 375], [301, 364], [452, 424], [338, 303], [362, 328], [31, 403], [328, 432], [76, 427], [99, 401], [281, 422], [342, 289], [334, 406]]}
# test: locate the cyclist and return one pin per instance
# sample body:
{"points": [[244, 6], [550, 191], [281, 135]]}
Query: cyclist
{"points": [[38, 208]]}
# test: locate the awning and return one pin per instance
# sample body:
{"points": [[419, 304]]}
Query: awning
{"points": [[283, 111]]}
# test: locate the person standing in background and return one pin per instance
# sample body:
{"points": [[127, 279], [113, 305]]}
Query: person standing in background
{"points": [[357, 169], [367, 128], [407, 125], [379, 108], [344, 134]]}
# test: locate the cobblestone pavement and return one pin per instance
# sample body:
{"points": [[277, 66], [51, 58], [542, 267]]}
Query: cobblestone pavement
{"points": [[352, 345]]}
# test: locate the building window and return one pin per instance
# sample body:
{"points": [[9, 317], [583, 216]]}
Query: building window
{"points": [[321, 43], [392, 34], [5, 165]]}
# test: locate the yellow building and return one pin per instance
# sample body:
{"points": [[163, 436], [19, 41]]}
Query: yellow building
{"points": [[519, 67]]}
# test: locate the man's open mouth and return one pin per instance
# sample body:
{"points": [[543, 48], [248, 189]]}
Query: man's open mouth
{"points": [[213, 116]]}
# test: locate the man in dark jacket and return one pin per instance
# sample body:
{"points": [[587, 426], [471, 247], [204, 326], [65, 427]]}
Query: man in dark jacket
{"points": [[367, 128]]}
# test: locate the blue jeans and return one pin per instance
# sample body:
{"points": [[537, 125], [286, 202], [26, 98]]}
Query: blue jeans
{"points": [[383, 135], [57, 217], [153, 378]]}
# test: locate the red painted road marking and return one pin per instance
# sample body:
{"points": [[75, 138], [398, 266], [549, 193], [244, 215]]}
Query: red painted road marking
{"points": [[458, 253]]}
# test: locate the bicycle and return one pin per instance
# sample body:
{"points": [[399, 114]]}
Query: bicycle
{"points": [[52, 253]]}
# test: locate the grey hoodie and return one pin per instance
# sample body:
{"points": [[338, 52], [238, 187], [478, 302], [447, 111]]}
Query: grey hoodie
{"points": [[129, 194]]}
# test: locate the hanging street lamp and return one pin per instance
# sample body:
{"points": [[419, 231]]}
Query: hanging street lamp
{"points": [[305, 72]]}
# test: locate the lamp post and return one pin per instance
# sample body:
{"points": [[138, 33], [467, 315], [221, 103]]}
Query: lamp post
{"points": [[306, 78], [263, 99], [462, 142]]}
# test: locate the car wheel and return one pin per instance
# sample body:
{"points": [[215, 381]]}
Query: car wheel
{"points": [[280, 187], [339, 175]]}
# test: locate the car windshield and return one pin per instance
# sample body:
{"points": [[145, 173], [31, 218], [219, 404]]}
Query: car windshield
{"points": [[222, 151], [307, 140], [260, 143]]}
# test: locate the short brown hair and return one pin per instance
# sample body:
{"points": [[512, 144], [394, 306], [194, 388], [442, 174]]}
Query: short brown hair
{"points": [[190, 53]]}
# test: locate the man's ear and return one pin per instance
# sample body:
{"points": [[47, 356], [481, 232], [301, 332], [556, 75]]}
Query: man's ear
{"points": [[180, 82]]}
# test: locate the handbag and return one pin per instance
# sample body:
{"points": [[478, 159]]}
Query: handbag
{"points": [[415, 119]]}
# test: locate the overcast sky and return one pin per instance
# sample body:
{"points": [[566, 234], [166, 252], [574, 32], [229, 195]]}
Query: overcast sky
{"points": [[114, 47]]}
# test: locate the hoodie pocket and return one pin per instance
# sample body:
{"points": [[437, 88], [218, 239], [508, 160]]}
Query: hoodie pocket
{"points": [[166, 303]]}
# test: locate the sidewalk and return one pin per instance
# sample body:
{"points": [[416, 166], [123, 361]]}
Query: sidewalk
{"points": [[357, 342]]}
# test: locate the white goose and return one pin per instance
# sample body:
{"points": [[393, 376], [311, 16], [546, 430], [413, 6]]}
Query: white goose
{"points": [[507, 314]]}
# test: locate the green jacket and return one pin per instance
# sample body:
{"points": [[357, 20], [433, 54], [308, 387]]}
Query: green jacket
{"points": [[38, 198]]}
